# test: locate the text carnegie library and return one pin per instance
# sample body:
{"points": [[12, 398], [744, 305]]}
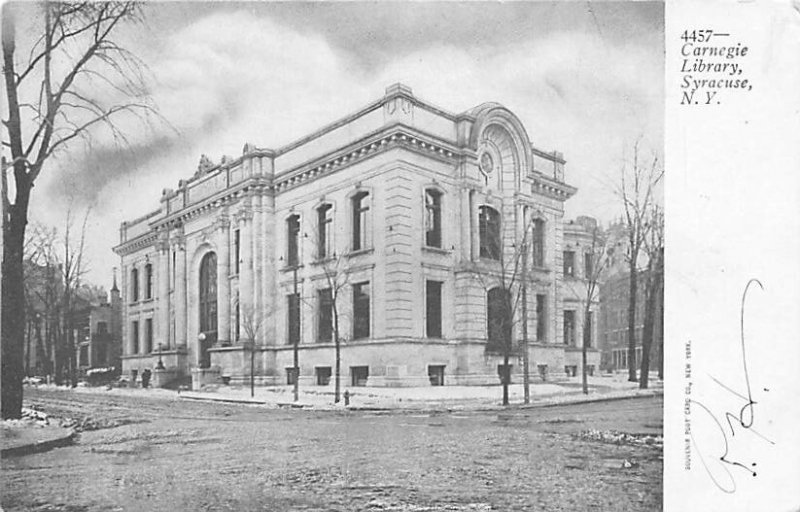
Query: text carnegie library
{"points": [[695, 58]]}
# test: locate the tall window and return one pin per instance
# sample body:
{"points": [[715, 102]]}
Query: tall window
{"points": [[148, 335], [490, 236], [148, 279], [360, 226], [237, 241], [324, 234], [325, 316], [498, 315], [433, 309], [433, 218], [588, 265], [541, 318], [135, 337], [589, 326], [569, 327], [361, 310], [208, 293], [134, 284], [569, 263], [237, 329], [293, 318], [292, 240], [537, 245], [102, 328]]}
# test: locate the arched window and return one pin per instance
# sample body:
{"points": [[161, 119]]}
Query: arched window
{"points": [[208, 293], [148, 281], [498, 318], [490, 234], [208, 305], [433, 218], [324, 231]]}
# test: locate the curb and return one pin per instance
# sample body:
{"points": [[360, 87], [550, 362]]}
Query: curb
{"points": [[245, 401], [39, 446]]}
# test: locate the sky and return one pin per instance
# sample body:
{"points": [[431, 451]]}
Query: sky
{"points": [[585, 78]]}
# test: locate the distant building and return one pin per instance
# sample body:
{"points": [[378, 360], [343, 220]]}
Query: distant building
{"points": [[614, 294], [577, 260], [100, 344], [411, 203]]}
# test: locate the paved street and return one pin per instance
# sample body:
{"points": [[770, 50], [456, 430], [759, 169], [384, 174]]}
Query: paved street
{"points": [[181, 455]]}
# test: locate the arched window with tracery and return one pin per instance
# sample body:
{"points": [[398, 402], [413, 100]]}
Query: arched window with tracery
{"points": [[208, 304]]}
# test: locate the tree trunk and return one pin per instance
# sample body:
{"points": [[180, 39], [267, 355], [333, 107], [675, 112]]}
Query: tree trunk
{"points": [[633, 281], [647, 330], [337, 384], [13, 311], [587, 333]]}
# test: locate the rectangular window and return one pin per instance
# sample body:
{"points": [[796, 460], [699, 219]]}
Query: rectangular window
{"points": [[292, 240], [433, 309], [174, 267], [325, 316], [588, 265], [436, 375], [541, 318], [360, 213], [293, 318], [102, 328], [148, 273], [324, 235], [135, 337], [148, 335], [359, 375], [569, 327], [489, 232], [504, 372], [569, 263], [361, 311], [238, 318], [323, 374], [84, 356], [291, 376], [538, 243], [433, 218], [236, 249], [135, 285]]}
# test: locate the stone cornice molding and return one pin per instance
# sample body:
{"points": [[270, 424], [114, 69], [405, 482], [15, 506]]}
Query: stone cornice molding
{"points": [[550, 187]]}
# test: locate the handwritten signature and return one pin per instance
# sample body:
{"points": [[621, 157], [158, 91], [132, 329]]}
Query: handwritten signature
{"points": [[745, 418]]}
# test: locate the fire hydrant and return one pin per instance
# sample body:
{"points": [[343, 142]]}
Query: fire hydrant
{"points": [[346, 398]]}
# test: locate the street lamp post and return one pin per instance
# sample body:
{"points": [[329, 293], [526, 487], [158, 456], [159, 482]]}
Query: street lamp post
{"points": [[296, 369]]}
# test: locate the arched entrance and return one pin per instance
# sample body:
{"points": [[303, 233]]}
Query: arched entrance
{"points": [[207, 307]]}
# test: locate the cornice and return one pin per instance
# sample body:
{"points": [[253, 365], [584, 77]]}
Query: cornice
{"points": [[550, 187]]}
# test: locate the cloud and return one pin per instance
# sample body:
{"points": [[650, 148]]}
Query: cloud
{"points": [[231, 77]]}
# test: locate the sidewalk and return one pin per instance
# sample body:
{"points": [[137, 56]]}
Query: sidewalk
{"points": [[429, 398], [31, 434]]}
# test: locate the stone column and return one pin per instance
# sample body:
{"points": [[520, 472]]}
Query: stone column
{"points": [[180, 295], [246, 310], [223, 281], [163, 295]]}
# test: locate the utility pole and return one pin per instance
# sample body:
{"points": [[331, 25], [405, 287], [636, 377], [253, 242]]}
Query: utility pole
{"points": [[526, 384], [296, 369]]}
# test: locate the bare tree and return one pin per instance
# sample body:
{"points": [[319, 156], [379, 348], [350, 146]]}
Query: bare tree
{"points": [[54, 95], [636, 190], [654, 289], [336, 270], [505, 276], [252, 323], [73, 268], [598, 259]]}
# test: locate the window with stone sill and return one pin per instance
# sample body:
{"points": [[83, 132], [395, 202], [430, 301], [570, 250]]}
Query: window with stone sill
{"points": [[537, 243], [148, 279], [361, 311], [360, 212], [489, 232], [569, 263], [433, 218], [134, 284], [292, 240], [324, 232]]}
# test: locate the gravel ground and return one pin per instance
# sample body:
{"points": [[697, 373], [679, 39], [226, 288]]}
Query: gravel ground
{"points": [[143, 454]]}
